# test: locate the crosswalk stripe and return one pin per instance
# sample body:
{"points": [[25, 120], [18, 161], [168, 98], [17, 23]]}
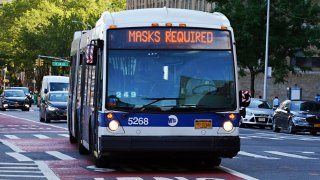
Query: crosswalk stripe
{"points": [[40, 136], [289, 155], [60, 155], [12, 136], [255, 155], [18, 156], [64, 135]]}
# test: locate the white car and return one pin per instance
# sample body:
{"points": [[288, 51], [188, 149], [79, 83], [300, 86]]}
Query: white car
{"points": [[258, 113]]}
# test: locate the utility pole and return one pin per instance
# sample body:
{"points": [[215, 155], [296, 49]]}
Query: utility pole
{"points": [[266, 55]]}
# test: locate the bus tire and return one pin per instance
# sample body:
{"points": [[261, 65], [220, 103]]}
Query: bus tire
{"points": [[72, 139], [215, 162], [82, 149]]}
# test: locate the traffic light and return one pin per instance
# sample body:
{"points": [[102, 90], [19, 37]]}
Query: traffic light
{"points": [[40, 62], [37, 62]]}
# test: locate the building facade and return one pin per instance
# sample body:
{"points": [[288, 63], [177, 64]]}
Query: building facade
{"points": [[200, 5]]}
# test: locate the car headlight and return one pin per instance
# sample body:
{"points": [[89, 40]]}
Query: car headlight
{"points": [[298, 119], [51, 108]]}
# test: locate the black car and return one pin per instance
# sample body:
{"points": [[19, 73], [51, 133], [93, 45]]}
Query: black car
{"points": [[297, 115], [14, 99], [26, 92], [54, 106]]}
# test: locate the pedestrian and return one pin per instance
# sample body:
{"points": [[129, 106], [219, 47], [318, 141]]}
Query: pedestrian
{"points": [[276, 102]]}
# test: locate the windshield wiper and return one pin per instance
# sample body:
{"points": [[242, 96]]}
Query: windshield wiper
{"points": [[158, 99], [143, 107]]}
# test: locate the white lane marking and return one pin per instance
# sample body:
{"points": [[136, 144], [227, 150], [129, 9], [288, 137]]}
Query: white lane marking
{"points": [[47, 172], [235, 173], [24, 176], [34, 121], [64, 135], [17, 164], [40, 136], [36, 172], [19, 156], [289, 155], [255, 155], [12, 137], [20, 167], [307, 152], [60, 155], [12, 146]]}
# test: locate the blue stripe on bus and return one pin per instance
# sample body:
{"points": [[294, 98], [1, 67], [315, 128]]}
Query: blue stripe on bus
{"points": [[163, 120]]}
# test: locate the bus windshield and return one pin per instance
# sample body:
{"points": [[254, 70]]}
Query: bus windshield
{"points": [[171, 79]]}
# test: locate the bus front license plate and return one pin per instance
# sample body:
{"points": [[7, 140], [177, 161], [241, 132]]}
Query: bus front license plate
{"points": [[203, 124]]}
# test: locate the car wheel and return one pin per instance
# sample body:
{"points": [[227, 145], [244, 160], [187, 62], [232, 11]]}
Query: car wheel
{"points": [[46, 119], [275, 127], [291, 127], [240, 123]]}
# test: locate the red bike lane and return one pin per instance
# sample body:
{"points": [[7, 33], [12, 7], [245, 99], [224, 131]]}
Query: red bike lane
{"points": [[83, 167]]}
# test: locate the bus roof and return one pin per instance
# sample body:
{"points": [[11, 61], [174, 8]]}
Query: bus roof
{"points": [[145, 17]]}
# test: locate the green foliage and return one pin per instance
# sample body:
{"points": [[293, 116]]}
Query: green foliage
{"points": [[33, 27], [294, 24]]}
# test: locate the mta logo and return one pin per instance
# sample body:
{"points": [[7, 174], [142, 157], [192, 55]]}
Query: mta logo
{"points": [[173, 120]]}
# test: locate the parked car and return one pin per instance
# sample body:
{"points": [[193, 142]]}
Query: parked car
{"points": [[14, 99], [297, 115], [54, 106], [258, 113], [26, 92]]}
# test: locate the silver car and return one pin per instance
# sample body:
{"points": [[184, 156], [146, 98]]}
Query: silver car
{"points": [[258, 113]]}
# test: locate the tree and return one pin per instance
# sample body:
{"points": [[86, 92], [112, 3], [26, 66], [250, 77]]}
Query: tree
{"points": [[293, 24], [44, 27]]}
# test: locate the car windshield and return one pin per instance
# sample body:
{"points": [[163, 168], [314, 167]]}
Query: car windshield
{"points": [[58, 97], [14, 93], [259, 104], [307, 106], [58, 86], [24, 89], [179, 79]]}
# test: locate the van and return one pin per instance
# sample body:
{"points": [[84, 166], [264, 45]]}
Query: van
{"points": [[53, 83]]}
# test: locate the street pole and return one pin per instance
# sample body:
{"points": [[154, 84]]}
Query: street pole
{"points": [[266, 55]]}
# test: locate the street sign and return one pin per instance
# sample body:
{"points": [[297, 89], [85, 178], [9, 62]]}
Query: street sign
{"points": [[60, 63]]}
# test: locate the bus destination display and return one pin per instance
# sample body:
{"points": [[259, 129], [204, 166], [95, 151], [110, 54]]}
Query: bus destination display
{"points": [[168, 38]]}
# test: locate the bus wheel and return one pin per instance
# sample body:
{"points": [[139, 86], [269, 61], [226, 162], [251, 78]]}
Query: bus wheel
{"points": [[72, 139], [99, 162], [82, 149], [214, 162]]}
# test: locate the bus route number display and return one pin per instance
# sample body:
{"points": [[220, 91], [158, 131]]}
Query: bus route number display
{"points": [[168, 38]]}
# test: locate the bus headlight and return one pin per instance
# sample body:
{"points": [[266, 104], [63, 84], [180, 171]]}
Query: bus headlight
{"points": [[114, 125], [227, 126]]}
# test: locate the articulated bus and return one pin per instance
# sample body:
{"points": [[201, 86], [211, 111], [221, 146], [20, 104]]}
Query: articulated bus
{"points": [[158, 80]]}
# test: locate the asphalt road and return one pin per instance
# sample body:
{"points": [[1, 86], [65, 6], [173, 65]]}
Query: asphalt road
{"points": [[44, 150]]}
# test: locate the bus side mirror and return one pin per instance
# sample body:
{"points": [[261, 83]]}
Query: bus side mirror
{"points": [[45, 91], [244, 98], [91, 54]]}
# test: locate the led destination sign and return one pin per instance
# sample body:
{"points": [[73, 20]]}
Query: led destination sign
{"points": [[166, 38]]}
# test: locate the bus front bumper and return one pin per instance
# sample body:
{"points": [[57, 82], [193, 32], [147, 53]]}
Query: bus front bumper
{"points": [[227, 147]]}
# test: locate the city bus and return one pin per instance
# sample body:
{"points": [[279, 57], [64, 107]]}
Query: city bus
{"points": [[159, 80]]}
